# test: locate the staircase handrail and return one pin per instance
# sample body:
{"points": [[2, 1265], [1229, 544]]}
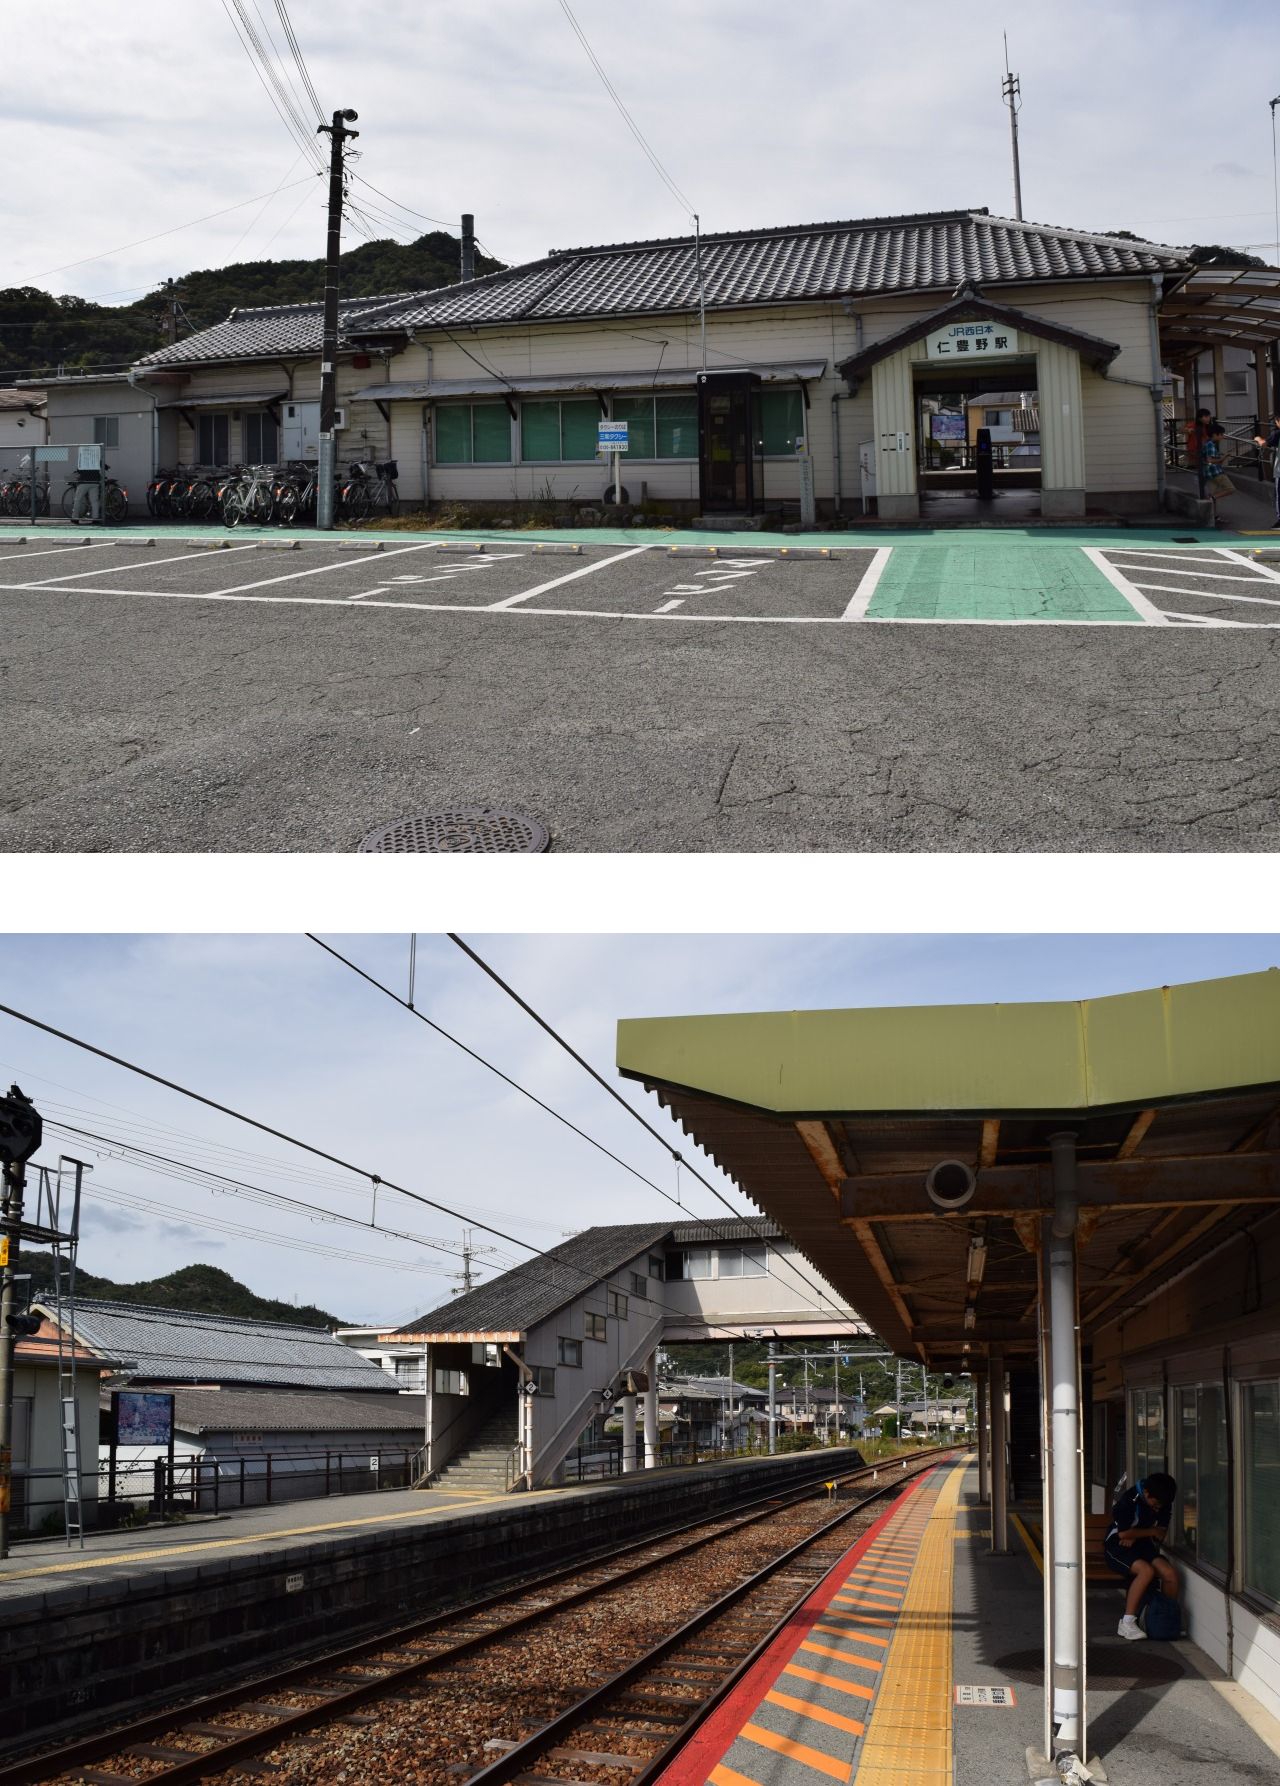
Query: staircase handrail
{"points": [[517, 1464], [579, 1414]]}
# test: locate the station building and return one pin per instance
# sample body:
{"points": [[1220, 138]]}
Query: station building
{"points": [[1076, 1203], [747, 366]]}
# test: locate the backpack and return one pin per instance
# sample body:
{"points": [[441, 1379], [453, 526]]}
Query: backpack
{"points": [[1163, 1619]]}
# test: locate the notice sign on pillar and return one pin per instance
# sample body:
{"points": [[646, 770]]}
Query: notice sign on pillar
{"points": [[971, 341], [611, 437]]}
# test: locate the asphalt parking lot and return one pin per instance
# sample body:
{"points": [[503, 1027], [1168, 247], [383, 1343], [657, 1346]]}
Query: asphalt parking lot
{"points": [[960, 692]]}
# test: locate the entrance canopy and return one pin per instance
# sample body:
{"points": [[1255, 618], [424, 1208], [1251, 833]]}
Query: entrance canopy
{"points": [[832, 1122], [1221, 307]]}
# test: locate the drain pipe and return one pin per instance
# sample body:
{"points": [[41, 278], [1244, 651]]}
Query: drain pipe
{"points": [[1157, 387], [1066, 1584]]}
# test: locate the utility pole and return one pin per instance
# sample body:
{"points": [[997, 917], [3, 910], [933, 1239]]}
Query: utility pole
{"points": [[773, 1395], [467, 266], [327, 457], [20, 1132], [1012, 94]]}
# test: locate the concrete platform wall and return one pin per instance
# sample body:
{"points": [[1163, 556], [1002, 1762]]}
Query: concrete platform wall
{"points": [[70, 1654]]}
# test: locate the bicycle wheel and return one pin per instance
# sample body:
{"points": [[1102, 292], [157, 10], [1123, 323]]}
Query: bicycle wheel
{"points": [[288, 502], [69, 500], [117, 503], [234, 505]]}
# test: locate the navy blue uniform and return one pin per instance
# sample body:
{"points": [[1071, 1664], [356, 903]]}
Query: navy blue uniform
{"points": [[1129, 1511]]}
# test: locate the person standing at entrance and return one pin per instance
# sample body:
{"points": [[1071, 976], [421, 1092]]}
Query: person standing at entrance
{"points": [[1197, 432], [1272, 443], [1139, 1525]]}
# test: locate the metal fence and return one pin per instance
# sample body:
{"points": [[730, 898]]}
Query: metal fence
{"points": [[39, 484], [148, 1487]]}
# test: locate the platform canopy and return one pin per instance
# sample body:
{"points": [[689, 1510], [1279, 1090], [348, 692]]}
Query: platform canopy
{"points": [[831, 1121]]}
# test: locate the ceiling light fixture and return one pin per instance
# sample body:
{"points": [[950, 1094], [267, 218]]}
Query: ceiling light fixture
{"points": [[976, 1263]]}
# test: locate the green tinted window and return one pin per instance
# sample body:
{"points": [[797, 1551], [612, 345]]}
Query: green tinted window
{"points": [[677, 427], [781, 421], [453, 434], [637, 413], [540, 431], [1211, 1486], [491, 433], [1260, 1431], [578, 424]]}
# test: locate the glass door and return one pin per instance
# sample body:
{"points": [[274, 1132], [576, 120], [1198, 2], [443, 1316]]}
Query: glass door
{"points": [[726, 472]]}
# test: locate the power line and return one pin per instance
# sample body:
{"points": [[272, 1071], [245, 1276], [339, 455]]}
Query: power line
{"points": [[285, 108], [292, 40], [488, 1064], [177, 228], [625, 115], [616, 1095]]}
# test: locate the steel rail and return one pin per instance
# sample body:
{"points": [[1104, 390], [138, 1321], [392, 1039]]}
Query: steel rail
{"points": [[535, 1746], [49, 1764]]}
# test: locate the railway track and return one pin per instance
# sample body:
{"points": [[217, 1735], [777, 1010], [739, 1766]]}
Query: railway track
{"points": [[604, 1668]]}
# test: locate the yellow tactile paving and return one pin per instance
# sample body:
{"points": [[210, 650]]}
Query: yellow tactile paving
{"points": [[908, 1741]]}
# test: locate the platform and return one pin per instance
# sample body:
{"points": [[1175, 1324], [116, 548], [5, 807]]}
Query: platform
{"points": [[918, 1662]]}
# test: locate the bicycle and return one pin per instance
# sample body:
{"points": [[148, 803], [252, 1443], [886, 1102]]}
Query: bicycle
{"points": [[363, 492], [296, 493], [250, 498], [117, 502]]}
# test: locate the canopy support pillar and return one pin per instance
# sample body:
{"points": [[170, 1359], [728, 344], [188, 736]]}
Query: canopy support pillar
{"points": [[999, 1453], [1064, 1488], [628, 1434], [651, 1413]]}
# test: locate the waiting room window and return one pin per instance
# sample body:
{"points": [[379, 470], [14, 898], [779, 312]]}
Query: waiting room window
{"points": [[780, 422], [472, 434], [743, 1261], [559, 431], [1199, 1464], [213, 440], [618, 1304], [452, 1383], [597, 1327], [571, 1352], [1147, 1426], [1260, 1484], [545, 1377], [261, 438], [659, 427], [106, 430]]}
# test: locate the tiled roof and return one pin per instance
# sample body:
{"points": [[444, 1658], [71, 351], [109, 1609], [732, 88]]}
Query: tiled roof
{"points": [[270, 330], [811, 262], [21, 401], [270, 1411], [187, 1346], [702, 1233], [805, 263], [528, 1293]]}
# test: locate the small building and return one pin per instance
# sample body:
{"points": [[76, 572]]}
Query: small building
{"points": [[107, 409], [22, 418], [38, 1482]]}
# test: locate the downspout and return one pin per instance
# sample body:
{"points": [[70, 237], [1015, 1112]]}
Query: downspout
{"points": [[1157, 386], [837, 397], [155, 422]]}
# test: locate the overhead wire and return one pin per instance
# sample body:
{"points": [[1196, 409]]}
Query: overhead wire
{"points": [[374, 1178], [616, 1095], [296, 50], [272, 86]]}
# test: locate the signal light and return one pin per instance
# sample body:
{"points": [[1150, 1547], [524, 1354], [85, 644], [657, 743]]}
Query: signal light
{"points": [[24, 1323]]}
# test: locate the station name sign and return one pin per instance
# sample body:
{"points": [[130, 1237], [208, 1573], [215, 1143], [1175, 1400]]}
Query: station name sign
{"points": [[971, 341]]}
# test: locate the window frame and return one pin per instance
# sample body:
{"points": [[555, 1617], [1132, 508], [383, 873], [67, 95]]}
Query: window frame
{"points": [[257, 418], [104, 427], [544, 1377], [617, 1304], [640, 1286], [449, 1371], [211, 418], [1250, 1591], [434, 411], [559, 404], [592, 1320], [564, 1345]]}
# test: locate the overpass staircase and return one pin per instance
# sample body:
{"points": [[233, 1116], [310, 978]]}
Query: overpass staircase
{"points": [[482, 1466]]}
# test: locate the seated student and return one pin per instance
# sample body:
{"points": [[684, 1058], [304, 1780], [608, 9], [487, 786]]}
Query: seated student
{"points": [[1139, 1522]]}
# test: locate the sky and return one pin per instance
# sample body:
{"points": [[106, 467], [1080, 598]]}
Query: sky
{"points": [[1150, 115], [277, 1029]]}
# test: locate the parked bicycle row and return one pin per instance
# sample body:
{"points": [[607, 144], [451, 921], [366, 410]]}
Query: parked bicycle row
{"points": [[263, 494], [15, 498]]}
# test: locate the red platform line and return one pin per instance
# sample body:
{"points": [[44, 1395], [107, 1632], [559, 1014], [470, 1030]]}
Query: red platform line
{"points": [[699, 1760]]}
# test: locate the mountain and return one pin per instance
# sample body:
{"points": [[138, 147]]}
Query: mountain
{"points": [[40, 332], [201, 1287]]}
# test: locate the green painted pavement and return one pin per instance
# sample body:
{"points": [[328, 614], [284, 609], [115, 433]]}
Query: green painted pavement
{"points": [[987, 579]]}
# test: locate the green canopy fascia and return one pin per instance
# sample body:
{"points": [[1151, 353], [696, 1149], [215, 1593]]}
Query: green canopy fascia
{"points": [[1134, 1049]]}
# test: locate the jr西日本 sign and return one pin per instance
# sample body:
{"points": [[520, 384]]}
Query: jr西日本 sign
{"points": [[971, 341], [612, 437]]}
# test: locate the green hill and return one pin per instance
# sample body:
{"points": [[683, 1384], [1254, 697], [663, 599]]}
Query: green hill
{"points": [[40, 332], [201, 1287]]}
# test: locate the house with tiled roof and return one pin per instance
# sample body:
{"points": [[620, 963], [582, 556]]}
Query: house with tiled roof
{"points": [[749, 367], [519, 1372]]}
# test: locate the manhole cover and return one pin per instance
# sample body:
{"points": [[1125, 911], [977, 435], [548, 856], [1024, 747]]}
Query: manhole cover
{"points": [[467, 830], [1137, 1665]]}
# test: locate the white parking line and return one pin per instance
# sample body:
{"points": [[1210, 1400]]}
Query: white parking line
{"points": [[50, 551], [668, 607], [585, 570], [317, 569], [1134, 596], [1205, 620], [1211, 595], [127, 569], [861, 601], [1209, 570], [1262, 570]]}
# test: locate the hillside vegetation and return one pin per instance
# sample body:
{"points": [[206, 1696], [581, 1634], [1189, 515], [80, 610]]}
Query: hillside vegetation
{"points": [[199, 1287], [40, 332]]}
